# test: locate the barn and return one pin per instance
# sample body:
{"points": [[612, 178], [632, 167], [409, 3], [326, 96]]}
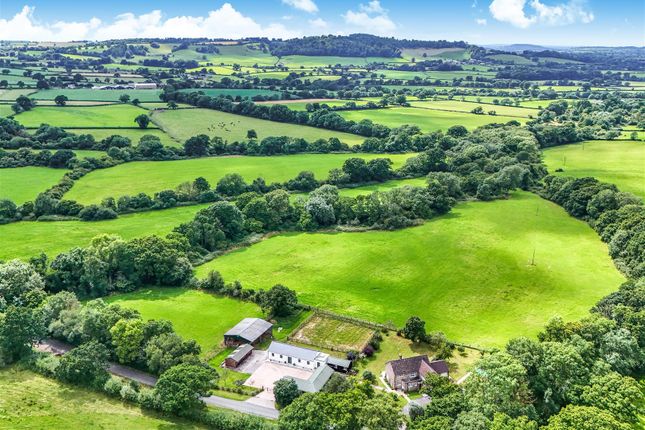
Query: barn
{"points": [[236, 357], [249, 330]]}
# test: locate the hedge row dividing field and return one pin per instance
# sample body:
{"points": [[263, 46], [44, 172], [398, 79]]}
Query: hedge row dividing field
{"points": [[97, 95], [152, 176], [21, 184], [184, 123], [618, 162], [108, 116], [468, 273], [29, 238], [134, 134], [428, 120], [467, 107]]}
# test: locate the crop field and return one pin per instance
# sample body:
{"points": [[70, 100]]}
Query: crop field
{"points": [[12, 94], [185, 123], [30, 401], [152, 176], [194, 314], [26, 239], [618, 162], [21, 184], [110, 116], [455, 105], [428, 120], [98, 95], [327, 332], [468, 273], [134, 134]]}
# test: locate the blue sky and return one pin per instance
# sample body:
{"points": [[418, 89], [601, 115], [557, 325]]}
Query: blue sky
{"points": [[548, 22]]}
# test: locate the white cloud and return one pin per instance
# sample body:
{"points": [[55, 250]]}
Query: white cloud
{"points": [[373, 6], [371, 18], [318, 23], [481, 21], [513, 12], [223, 22], [305, 5]]}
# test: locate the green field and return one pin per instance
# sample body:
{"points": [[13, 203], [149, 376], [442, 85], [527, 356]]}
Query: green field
{"points": [[185, 123], [296, 61], [456, 105], [618, 162], [214, 92], [510, 58], [428, 120], [30, 401], [21, 184], [29, 238], [134, 134], [468, 273], [368, 189], [97, 95], [194, 314], [109, 116], [152, 176]]}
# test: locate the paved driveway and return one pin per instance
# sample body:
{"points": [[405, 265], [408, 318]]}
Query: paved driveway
{"points": [[253, 361], [266, 375]]}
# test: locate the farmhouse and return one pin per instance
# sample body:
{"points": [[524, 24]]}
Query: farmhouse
{"points": [[238, 356], [296, 356], [249, 330], [407, 374]]}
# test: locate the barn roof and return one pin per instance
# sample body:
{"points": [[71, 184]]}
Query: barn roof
{"points": [[240, 352], [316, 381], [249, 329]]}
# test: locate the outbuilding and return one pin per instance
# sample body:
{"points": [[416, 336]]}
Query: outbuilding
{"points": [[236, 357], [249, 330]]}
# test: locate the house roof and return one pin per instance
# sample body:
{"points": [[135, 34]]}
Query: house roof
{"points": [[240, 352], [439, 366], [409, 365], [250, 329], [297, 352], [316, 381]]}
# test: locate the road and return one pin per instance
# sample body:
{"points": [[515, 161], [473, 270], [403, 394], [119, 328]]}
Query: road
{"points": [[59, 348]]}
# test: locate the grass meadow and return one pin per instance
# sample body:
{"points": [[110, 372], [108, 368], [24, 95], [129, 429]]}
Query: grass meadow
{"points": [[21, 184], [108, 116], [233, 92], [455, 105], [30, 401], [468, 273], [184, 123], [194, 314], [618, 162], [25, 239], [427, 119], [331, 333], [152, 176]]}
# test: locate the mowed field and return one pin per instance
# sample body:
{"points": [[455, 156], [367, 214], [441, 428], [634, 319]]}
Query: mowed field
{"points": [[618, 162], [464, 106], [97, 95], [30, 401], [194, 314], [109, 116], [184, 123], [29, 238], [468, 273], [152, 176], [427, 119], [21, 184]]}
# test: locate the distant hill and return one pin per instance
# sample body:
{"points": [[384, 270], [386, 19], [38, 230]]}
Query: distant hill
{"points": [[518, 47]]}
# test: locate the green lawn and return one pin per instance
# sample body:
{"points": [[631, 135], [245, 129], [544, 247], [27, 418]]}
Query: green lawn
{"points": [[618, 162], [428, 120], [109, 116], [184, 123], [152, 176], [134, 134], [194, 314], [468, 273], [29, 238], [21, 184], [97, 95], [30, 401]]}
